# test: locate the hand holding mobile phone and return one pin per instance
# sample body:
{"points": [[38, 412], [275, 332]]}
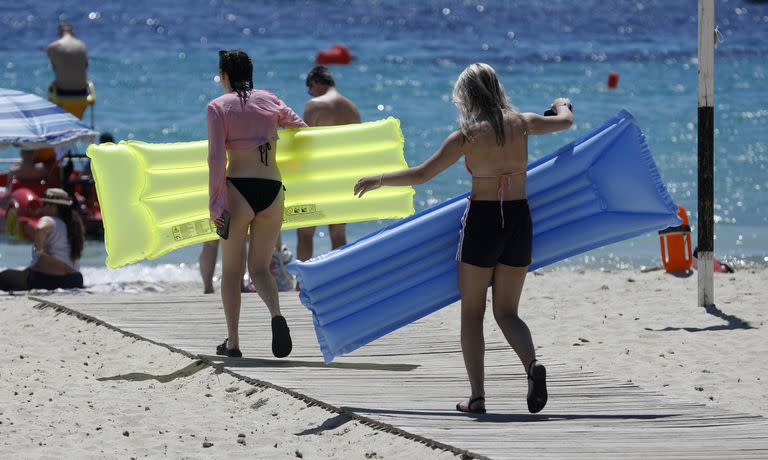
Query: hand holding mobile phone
{"points": [[552, 113], [223, 229]]}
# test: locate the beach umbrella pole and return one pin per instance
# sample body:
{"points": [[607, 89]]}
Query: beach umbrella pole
{"points": [[706, 95]]}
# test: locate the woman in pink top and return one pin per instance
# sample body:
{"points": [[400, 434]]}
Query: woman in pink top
{"points": [[246, 191]]}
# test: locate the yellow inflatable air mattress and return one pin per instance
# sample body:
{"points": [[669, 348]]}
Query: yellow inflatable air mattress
{"points": [[154, 197]]}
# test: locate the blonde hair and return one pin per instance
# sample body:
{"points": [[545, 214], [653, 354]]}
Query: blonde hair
{"points": [[478, 91]]}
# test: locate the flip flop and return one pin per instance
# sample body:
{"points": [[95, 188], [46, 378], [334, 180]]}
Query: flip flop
{"points": [[537, 393], [281, 337], [222, 350], [247, 288], [468, 408]]}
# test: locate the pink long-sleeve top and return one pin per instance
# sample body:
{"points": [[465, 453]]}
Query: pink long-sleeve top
{"points": [[234, 125]]}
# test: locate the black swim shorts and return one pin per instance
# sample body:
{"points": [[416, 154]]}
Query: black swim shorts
{"points": [[37, 280], [484, 241]]}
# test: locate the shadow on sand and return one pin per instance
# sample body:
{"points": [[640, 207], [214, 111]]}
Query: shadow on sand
{"points": [[507, 418], [732, 322], [262, 362], [187, 371], [330, 424]]}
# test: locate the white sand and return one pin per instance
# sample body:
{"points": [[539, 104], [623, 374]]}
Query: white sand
{"points": [[154, 403], [623, 324], [624, 314]]}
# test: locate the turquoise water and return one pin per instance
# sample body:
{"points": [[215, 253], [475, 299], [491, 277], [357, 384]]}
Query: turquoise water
{"points": [[153, 67]]}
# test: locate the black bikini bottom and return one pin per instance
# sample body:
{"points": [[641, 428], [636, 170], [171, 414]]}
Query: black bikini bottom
{"points": [[259, 193]]}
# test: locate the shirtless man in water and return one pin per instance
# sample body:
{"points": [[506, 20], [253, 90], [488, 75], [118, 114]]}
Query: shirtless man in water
{"points": [[327, 107], [69, 59]]}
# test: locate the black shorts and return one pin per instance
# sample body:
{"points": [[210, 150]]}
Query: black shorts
{"points": [[484, 242], [37, 280]]}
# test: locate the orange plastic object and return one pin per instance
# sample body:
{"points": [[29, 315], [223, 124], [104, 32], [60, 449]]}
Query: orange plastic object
{"points": [[338, 54], [613, 79], [675, 245], [75, 105], [76, 108]]}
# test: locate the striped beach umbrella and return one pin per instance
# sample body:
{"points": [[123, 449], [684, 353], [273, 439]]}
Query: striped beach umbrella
{"points": [[30, 122]]}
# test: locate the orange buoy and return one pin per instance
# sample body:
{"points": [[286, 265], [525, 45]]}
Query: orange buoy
{"points": [[676, 245], [613, 79], [337, 54]]}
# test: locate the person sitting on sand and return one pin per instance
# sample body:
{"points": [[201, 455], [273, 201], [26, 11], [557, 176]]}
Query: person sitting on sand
{"points": [[496, 230], [58, 245]]}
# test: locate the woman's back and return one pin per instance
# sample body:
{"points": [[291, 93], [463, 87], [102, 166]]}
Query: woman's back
{"points": [[247, 195], [496, 236], [246, 128], [57, 243], [492, 165], [252, 122]]}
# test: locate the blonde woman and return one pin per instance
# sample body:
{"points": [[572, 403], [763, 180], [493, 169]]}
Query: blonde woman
{"points": [[496, 230]]}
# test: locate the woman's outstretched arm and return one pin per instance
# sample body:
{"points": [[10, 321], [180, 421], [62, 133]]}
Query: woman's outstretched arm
{"points": [[445, 156], [539, 124]]}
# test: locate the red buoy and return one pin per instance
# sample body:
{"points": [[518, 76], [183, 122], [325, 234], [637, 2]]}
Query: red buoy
{"points": [[613, 79], [337, 54]]}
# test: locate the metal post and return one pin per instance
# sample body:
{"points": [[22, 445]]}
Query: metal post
{"points": [[706, 240]]}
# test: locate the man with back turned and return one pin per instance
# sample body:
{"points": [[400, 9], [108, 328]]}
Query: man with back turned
{"points": [[328, 107]]}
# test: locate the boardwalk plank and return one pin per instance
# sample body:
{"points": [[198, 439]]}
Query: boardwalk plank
{"points": [[413, 377]]}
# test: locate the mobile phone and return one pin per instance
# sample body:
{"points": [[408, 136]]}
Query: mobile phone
{"points": [[552, 113], [223, 230]]}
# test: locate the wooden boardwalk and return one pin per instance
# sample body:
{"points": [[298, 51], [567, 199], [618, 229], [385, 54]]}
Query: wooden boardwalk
{"points": [[412, 379]]}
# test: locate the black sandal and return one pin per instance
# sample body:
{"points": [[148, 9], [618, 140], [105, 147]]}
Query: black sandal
{"points": [[281, 337], [537, 393], [222, 350], [471, 402]]}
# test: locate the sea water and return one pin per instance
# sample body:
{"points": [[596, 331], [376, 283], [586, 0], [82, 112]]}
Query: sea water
{"points": [[153, 65]]}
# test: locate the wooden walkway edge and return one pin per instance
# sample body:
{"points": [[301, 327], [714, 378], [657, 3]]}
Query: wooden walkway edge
{"points": [[408, 383]]}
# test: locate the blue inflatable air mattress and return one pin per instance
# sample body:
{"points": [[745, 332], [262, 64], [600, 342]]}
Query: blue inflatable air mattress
{"points": [[602, 188]]}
